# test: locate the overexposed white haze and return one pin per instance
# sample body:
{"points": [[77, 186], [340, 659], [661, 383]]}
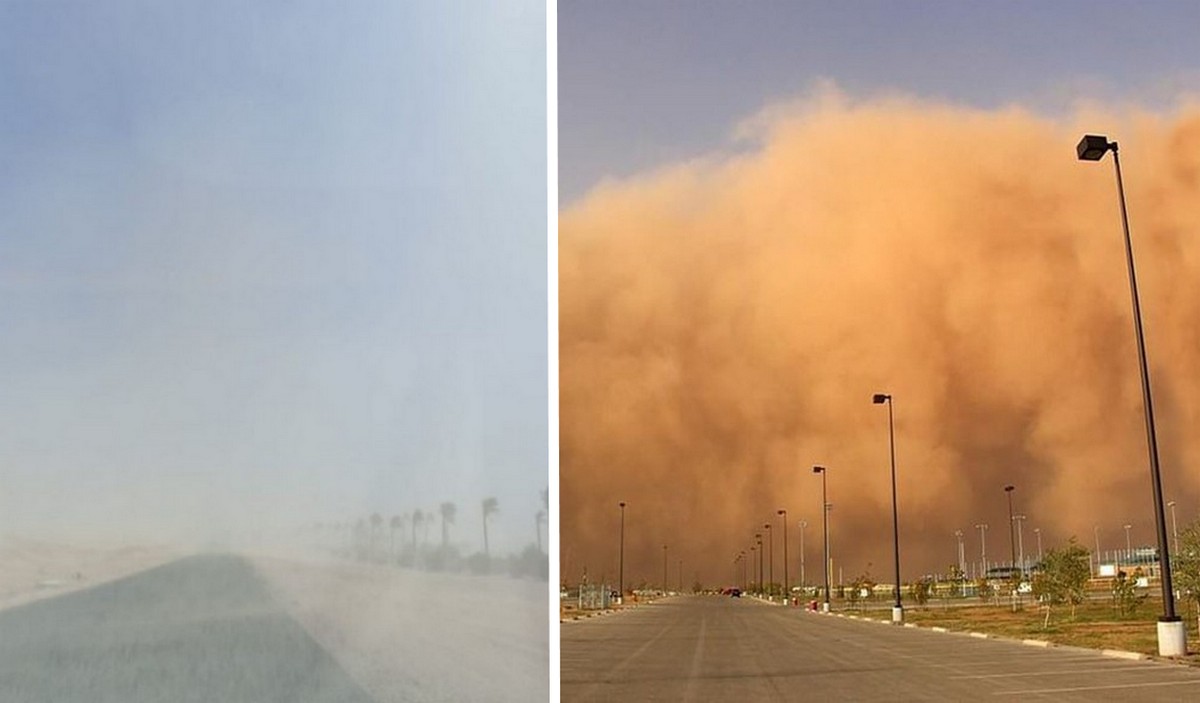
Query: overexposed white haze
{"points": [[268, 271]]}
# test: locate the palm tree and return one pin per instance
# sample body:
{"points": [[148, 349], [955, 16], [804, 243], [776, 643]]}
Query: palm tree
{"points": [[396, 523], [489, 506], [417, 518], [448, 510], [376, 525]]}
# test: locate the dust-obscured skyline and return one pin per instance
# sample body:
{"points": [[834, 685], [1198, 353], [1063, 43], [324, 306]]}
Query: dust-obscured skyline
{"points": [[265, 265], [725, 321]]}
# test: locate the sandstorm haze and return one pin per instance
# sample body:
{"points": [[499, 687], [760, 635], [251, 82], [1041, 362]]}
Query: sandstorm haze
{"points": [[725, 321], [262, 267]]}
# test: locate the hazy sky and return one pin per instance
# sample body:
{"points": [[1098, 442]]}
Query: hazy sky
{"points": [[272, 261], [774, 210], [643, 83]]}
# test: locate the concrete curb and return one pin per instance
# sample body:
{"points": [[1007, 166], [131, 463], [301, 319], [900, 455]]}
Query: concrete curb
{"points": [[1122, 654], [1043, 644]]}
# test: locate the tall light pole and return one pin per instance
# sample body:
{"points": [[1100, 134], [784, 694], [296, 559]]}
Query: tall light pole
{"points": [[1020, 540], [1128, 546], [753, 568], [825, 521], [898, 607], [1174, 525], [621, 568], [664, 569], [787, 593], [982, 527], [681, 576], [1012, 542], [758, 540], [1096, 532], [1172, 637], [1038, 531], [742, 558], [803, 576], [770, 562], [962, 564]]}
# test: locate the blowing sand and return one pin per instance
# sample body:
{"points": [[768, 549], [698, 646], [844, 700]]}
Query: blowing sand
{"points": [[406, 635]]}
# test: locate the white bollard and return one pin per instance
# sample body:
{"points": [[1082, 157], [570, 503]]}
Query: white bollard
{"points": [[1172, 638], [897, 614]]}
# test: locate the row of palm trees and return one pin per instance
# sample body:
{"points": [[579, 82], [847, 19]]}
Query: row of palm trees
{"points": [[367, 538]]}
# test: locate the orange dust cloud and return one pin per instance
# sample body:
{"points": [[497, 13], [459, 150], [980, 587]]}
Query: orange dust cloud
{"points": [[724, 323]]}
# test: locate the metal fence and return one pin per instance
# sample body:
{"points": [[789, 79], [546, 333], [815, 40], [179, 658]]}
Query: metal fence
{"points": [[594, 596]]}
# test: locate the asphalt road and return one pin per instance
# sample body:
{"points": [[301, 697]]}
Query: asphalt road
{"points": [[198, 629], [714, 648]]}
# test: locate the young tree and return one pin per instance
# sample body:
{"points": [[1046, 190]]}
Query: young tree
{"points": [[920, 590], [1126, 599], [1063, 577], [1186, 564]]}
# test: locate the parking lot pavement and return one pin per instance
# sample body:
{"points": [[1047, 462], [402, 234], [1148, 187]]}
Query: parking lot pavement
{"points": [[711, 648]]}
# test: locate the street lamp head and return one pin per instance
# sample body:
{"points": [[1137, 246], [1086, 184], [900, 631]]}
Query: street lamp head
{"points": [[818, 469], [879, 398], [1009, 489], [781, 511], [622, 504], [1093, 146], [766, 526]]}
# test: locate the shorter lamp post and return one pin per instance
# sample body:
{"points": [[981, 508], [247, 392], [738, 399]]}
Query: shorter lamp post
{"points": [[621, 568], [1174, 525], [786, 591], [664, 569], [897, 607], [825, 521], [803, 576], [1020, 541], [982, 527], [770, 562]]}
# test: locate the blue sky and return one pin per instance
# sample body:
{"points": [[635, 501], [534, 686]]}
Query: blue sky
{"points": [[642, 84], [273, 260]]}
